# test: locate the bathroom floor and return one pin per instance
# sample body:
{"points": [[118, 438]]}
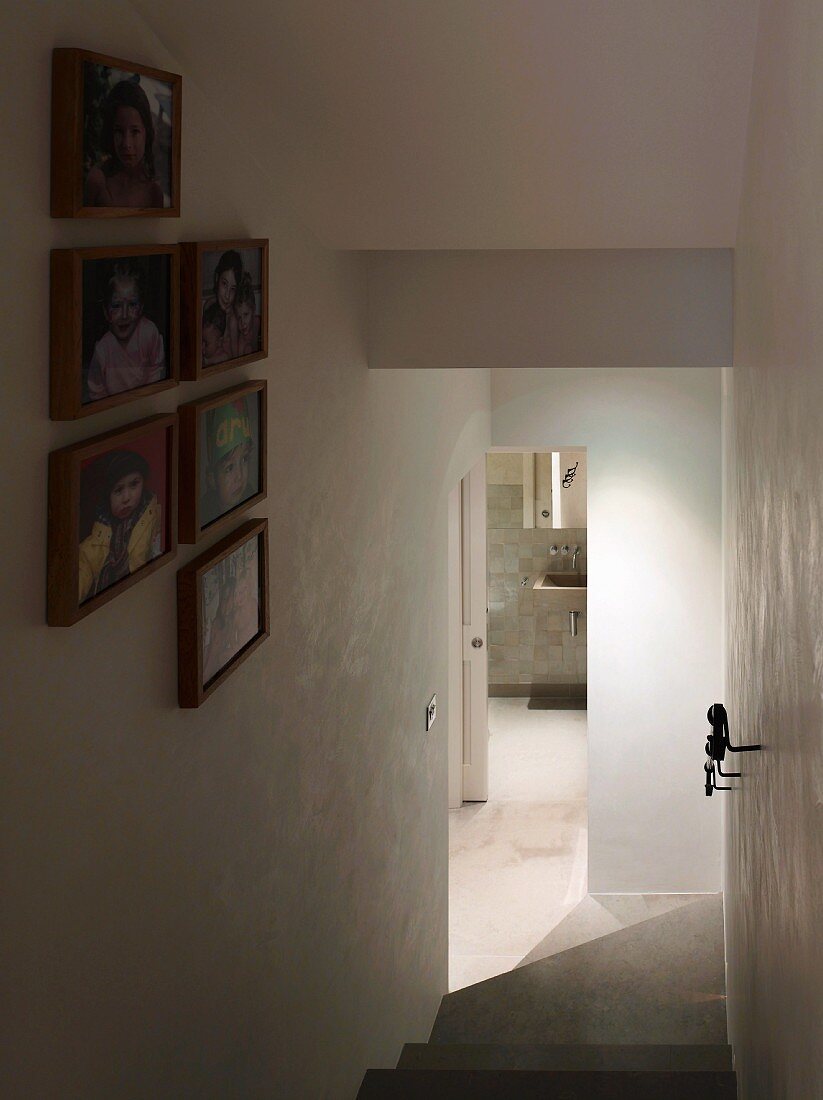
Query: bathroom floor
{"points": [[517, 863]]}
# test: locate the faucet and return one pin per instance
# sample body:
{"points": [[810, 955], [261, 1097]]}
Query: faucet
{"points": [[574, 557]]}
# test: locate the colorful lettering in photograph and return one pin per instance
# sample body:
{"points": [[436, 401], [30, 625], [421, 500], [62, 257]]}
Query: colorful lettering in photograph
{"points": [[229, 472], [222, 457]]}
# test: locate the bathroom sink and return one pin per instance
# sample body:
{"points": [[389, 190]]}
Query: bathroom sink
{"points": [[561, 580]]}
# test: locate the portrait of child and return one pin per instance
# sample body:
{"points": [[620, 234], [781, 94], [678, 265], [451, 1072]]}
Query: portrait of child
{"points": [[232, 284], [248, 319], [231, 608], [122, 513], [214, 328], [229, 457], [126, 324], [127, 137]]}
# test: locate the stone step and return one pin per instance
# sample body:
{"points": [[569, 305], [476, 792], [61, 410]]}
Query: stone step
{"points": [[598, 915], [658, 982], [445, 1084], [532, 1056]]}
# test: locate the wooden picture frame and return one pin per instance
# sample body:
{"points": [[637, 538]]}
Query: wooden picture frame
{"points": [[202, 488], [195, 258], [73, 319], [79, 491], [197, 638], [79, 163]]}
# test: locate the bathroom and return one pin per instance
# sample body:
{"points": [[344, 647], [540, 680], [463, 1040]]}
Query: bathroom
{"points": [[518, 858], [536, 524]]}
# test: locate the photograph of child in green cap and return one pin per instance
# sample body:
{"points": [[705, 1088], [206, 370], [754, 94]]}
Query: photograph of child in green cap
{"points": [[122, 509], [229, 458], [222, 458]]}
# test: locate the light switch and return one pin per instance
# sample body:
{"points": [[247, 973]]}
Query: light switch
{"points": [[431, 713]]}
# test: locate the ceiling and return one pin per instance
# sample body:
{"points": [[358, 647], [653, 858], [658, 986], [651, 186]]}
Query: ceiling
{"points": [[477, 124]]}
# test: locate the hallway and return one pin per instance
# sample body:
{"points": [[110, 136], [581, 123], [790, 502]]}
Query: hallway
{"points": [[517, 863]]}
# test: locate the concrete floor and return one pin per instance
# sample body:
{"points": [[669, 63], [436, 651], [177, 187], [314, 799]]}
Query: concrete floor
{"points": [[517, 863]]}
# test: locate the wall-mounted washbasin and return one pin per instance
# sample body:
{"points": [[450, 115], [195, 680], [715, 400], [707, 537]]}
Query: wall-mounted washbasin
{"points": [[561, 580], [561, 592]]}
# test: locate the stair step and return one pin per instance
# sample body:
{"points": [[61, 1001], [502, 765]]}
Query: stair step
{"points": [[598, 915], [533, 1056], [452, 1084], [658, 982]]}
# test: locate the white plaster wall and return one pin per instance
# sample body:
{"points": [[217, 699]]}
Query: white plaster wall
{"points": [[551, 308], [248, 899], [774, 826], [654, 605]]}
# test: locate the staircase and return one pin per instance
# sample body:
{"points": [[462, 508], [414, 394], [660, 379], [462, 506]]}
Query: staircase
{"points": [[625, 998]]}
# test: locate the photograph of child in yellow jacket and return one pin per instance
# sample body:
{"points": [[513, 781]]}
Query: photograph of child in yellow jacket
{"points": [[127, 531]]}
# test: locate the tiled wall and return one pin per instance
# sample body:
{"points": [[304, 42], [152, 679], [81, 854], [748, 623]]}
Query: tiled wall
{"points": [[504, 505], [531, 650]]}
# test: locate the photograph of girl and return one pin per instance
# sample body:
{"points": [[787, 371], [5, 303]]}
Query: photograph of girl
{"points": [[126, 324], [231, 608], [231, 307], [122, 512], [127, 138], [229, 459]]}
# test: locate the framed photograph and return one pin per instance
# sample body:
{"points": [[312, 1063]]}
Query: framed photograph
{"points": [[114, 326], [225, 305], [222, 610], [222, 458], [115, 138], [112, 503]]}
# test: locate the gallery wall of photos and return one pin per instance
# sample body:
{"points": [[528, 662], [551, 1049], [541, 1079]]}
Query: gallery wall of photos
{"points": [[131, 321]]}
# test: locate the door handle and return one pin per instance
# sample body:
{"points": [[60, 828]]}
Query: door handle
{"points": [[477, 643]]}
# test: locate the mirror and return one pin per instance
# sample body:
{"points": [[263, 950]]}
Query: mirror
{"points": [[527, 489]]}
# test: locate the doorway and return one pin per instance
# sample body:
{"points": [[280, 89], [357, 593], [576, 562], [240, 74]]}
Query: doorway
{"points": [[518, 744]]}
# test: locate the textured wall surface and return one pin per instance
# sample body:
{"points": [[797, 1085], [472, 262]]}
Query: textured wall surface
{"points": [[774, 822], [248, 899], [654, 605]]}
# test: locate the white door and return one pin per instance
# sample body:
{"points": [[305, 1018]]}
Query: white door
{"points": [[469, 725]]}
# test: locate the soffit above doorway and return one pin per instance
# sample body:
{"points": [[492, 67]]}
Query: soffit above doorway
{"points": [[409, 124]]}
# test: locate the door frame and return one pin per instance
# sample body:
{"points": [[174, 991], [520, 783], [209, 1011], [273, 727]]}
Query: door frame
{"points": [[468, 662]]}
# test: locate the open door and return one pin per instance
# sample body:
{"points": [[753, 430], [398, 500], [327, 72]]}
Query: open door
{"points": [[468, 696]]}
